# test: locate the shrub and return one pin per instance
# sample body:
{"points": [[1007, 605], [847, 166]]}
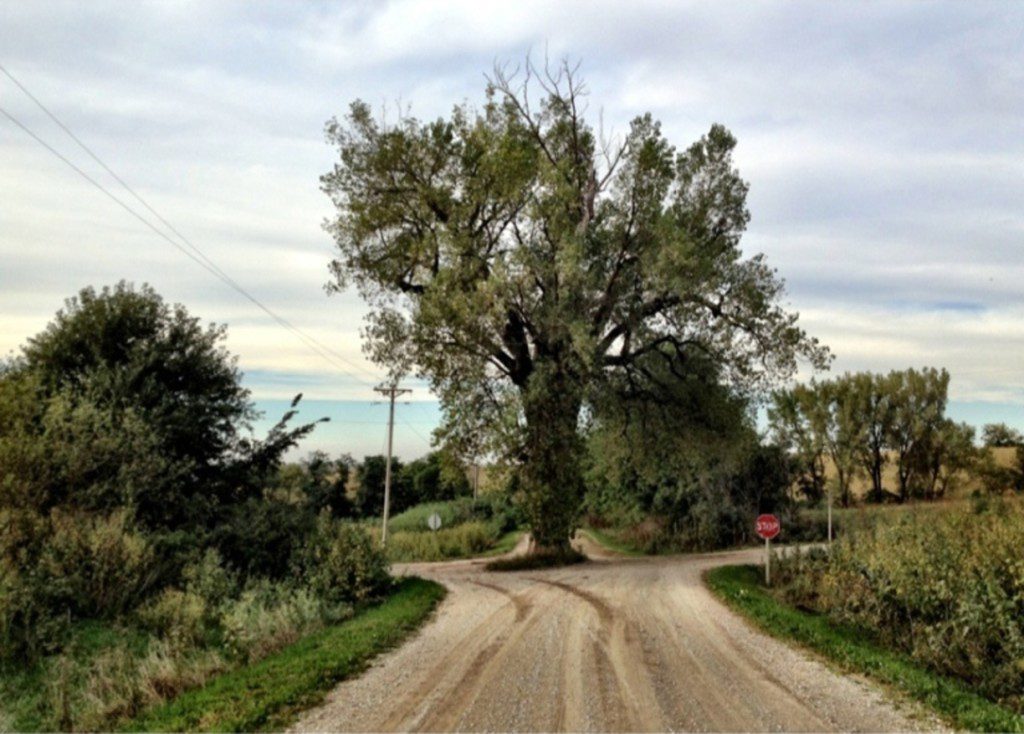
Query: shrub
{"points": [[946, 587], [341, 564], [210, 580], [69, 566], [180, 617], [101, 567]]}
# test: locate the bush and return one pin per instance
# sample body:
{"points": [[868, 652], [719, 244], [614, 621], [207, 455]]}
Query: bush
{"points": [[101, 567], [341, 564], [65, 566], [180, 617], [262, 537], [947, 587]]}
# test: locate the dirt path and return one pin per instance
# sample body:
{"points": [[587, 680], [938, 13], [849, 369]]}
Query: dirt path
{"points": [[611, 645]]}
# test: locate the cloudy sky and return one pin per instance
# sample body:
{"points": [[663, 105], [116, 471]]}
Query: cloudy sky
{"points": [[884, 145]]}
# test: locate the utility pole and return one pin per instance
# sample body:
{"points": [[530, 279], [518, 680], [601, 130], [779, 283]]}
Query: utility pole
{"points": [[392, 391]]}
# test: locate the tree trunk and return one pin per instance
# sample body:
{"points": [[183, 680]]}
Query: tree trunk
{"points": [[876, 474], [552, 475]]}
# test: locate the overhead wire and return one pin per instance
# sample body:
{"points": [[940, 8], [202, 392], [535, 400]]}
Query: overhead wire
{"points": [[184, 244], [190, 249]]}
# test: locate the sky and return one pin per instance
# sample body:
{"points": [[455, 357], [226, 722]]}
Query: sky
{"points": [[883, 143]]}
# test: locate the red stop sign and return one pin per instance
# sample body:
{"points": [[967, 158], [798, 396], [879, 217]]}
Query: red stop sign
{"points": [[767, 526]]}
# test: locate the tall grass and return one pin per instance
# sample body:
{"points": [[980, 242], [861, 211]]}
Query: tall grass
{"points": [[946, 587], [467, 539]]}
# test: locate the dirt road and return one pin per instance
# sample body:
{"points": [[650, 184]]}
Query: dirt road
{"points": [[611, 645]]}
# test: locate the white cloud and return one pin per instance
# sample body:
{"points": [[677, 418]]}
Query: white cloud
{"points": [[883, 143]]}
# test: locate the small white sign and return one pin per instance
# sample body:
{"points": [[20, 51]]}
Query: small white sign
{"points": [[434, 521]]}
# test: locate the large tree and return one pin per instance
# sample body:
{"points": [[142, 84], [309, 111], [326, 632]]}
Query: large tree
{"points": [[524, 266]]}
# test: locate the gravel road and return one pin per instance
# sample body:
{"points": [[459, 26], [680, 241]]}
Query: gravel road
{"points": [[615, 644]]}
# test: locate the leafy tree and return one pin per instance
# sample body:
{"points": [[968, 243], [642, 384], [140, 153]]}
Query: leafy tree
{"points": [[873, 404], [945, 457], [325, 484], [790, 418], [1000, 435], [845, 433], [818, 421], [525, 268], [369, 499], [918, 400], [435, 477], [136, 359]]}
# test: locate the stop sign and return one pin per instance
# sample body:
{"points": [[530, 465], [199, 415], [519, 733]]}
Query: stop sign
{"points": [[767, 526]]}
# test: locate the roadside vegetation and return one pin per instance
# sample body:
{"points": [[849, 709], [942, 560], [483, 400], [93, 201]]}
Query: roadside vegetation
{"points": [[148, 541], [855, 650], [269, 694], [469, 527], [929, 599]]}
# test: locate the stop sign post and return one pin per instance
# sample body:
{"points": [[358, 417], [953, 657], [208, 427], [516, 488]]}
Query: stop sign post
{"points": [[767, 526]]}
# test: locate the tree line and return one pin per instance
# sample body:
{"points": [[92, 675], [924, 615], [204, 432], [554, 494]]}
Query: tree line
{"points": [[860, 423]]}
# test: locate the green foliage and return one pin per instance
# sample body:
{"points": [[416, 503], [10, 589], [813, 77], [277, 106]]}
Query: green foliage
{"points": [[342, 565], [268, 695], [268, 616], [263, 536], [323, 484], [123, 457], [945, 588], [861, 421], [125, 349], [181, 617], [66, 566], [1000, 435], [855, 651], [529, 277], [461, 541], [369, 499]]}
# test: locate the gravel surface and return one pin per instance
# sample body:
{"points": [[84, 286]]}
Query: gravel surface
{"points": [[615, 644]]}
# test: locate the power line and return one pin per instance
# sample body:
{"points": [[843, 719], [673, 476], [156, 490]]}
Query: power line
{"points": [[309, 342], [190, 249], [423, 438], [193, 251]]}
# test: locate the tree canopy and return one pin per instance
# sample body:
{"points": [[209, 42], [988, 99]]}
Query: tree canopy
{"points": [[526, 266]]}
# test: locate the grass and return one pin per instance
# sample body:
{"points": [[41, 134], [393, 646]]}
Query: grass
{"points": [[506, 543], [534, 561], [270, 693], [610, 542], [26, 702], [854, 651], [451, 512]]}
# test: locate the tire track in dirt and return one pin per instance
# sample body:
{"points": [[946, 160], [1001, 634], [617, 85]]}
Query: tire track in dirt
{"points": [[633, 644]]}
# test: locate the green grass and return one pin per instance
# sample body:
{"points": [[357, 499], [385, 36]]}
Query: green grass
{"points": [[451, 512], [610, 542], [853, 651], [270, 693], [506, 543], [24, 698]]}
